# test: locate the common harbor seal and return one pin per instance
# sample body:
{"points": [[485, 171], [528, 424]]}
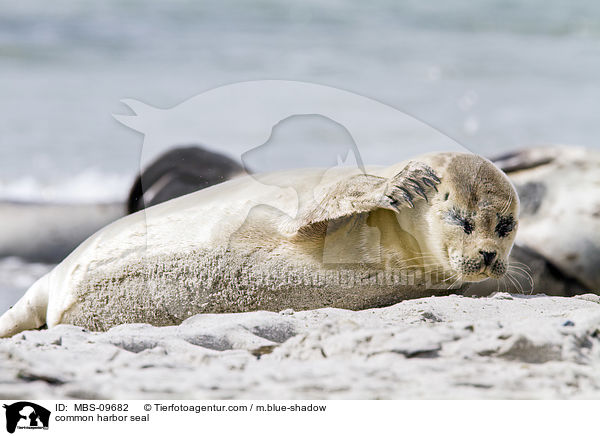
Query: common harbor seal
{"points": [[438, 221]]}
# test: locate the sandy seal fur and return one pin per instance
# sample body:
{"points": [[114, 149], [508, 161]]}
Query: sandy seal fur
{"points": [[413, 229]]}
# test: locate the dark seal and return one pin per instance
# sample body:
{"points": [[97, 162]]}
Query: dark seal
{"points": [[178, 172]]}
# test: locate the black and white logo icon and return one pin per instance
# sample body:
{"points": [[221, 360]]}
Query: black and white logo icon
{"points": [[26, 415]]}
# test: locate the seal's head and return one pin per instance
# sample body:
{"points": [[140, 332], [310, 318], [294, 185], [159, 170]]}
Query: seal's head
{"points": [[475, 218]]}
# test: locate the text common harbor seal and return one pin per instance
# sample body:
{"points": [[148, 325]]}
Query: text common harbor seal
{"points": [[240, 246]]}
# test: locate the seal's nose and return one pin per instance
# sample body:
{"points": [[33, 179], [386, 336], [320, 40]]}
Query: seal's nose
{"points": [[488, 256]]}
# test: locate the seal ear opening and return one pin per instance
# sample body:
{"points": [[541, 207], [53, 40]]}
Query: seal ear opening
{"points": [[446, 195]]}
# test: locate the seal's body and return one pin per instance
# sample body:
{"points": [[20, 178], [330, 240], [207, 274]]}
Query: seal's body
{"points": [[360, 240]]}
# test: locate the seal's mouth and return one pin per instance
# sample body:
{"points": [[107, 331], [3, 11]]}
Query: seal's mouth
{"points": [[493, 271], [477, 277], [475, 270]]}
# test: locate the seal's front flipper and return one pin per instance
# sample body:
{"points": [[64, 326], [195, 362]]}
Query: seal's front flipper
{"points": [[416, 181], [342, 200], [364, 193]]}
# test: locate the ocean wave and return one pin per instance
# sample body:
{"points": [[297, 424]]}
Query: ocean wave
{"points": [[90, 186], [109, 24], [16, 276], [19, 273]]}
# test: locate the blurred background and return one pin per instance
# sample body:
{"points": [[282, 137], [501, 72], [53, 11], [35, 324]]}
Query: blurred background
{"points": [[493, 75]]}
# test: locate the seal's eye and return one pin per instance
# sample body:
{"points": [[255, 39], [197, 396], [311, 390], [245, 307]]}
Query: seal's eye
{"points": [[505, 225], [446, 195], [457, 218]]}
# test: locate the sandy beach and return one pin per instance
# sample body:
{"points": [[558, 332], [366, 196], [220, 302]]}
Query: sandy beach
{"points": [[504, 346]]}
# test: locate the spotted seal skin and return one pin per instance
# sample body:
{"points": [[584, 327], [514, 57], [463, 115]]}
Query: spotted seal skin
{"points": [[417, 228], [558, 244]]}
